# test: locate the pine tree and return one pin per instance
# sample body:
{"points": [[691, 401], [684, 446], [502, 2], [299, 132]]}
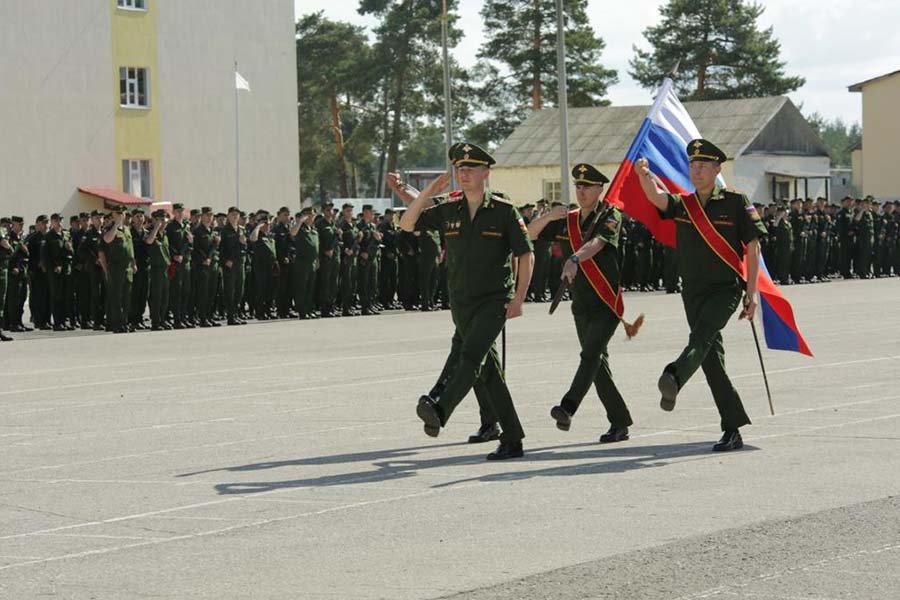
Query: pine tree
{"points": [[721, 51]]}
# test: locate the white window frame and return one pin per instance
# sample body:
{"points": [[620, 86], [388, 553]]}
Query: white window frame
{"points": [[552, 190], [132, 78], [138, 5], [137, 170]]}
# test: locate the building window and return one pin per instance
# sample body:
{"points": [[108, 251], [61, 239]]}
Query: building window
{"points": [[783, 190], [136, 178], [552, 190], [133, 4], [134, 87]]}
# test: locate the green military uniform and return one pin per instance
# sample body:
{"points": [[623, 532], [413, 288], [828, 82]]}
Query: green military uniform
{"points": [[265, 260], [480, 281], [367, 265], [823, 244], [350, 250], [202, 256], [408, 270], [233, 249], [140, 288], [329, 252], [712, 291], [6, 251], [38, 286], [784, 248], [120, 262], [159, 261], [56, 260], [390, 264], [306, 257], [17, 284], [179, 285], [284, 251], [844, 228], [89, 251], [865, 239], [595, 322], [798, 228]]}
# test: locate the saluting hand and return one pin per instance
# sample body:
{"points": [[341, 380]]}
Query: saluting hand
{"points": [[437, 186], [558, 212]]}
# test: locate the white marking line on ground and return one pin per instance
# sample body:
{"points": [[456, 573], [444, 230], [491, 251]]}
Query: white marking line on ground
{"points": [[818, 366], [98, 536], [225, 529], [198, 447], [13, 557], [106, 366], [776, 574]]}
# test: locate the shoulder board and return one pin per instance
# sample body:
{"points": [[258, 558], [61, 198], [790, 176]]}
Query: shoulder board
{"points": [[501, 197], [733, 192], [438, 200]]}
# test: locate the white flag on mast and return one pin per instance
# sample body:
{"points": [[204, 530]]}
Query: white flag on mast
{"points": [[241, 83]]}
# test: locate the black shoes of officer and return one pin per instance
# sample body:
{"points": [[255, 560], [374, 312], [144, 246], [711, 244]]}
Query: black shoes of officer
{"points": [[5, 338], [428, 411], [562, 417], [507, 450], [615, 434], [731, 440], [485, 433], [668, 387]]}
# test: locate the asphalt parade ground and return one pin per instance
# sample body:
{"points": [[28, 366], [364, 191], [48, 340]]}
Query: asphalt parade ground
{"points": [[285, 460]]}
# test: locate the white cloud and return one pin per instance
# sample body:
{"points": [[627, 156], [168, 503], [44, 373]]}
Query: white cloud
{"points": [[832, 43]]}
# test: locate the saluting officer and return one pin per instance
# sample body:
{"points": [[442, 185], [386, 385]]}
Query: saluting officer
{"points": [[712, 225], [483, 232]]}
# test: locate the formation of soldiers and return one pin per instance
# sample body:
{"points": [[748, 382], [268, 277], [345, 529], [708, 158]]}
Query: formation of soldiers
{"points": [[200, 269]]}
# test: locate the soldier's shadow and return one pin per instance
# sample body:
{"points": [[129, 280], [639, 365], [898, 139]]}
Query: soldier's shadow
{"points": [[401, 463]]}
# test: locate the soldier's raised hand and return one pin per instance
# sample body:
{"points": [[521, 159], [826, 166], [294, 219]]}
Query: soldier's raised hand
{"points": [[437, 186], [642, 167]]}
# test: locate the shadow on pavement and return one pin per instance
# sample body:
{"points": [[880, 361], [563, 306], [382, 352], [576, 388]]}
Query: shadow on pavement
{"points": [[401, 463]]}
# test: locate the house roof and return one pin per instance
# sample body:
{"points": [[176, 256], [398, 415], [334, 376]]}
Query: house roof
{"points": [[602, 135], [858, 87]]}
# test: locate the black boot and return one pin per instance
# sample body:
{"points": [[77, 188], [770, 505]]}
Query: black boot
{"points": [[731, 440], [485, 433], [668, 387], [615, 434], [562, 417], [4, 338], [430, 414], [507, 450]]}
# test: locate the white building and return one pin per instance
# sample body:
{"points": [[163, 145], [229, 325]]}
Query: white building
{"points": [[139, 96], [773, 152]]}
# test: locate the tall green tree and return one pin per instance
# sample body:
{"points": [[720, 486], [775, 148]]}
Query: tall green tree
{"points": [[521, 75], [407, 47], [839, 137], [333, 61], [722, 52]]}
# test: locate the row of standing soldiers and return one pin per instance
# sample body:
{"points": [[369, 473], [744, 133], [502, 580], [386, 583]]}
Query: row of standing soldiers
{"points": [[106, 269]]}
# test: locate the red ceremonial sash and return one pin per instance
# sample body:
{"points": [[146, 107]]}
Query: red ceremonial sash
{"points": [[590, 269], [718, 244]]}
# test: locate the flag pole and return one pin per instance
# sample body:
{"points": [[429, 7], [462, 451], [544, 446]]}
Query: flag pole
{"points": [[237, 142], [563, 102], [763, 367], [448, 119]]}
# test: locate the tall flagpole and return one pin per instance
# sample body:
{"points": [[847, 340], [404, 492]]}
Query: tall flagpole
{"points": [[237, 142], [448, 120], [563, 105]]}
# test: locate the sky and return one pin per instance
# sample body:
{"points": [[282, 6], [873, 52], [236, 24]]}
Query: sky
{"points": [[832, 43]]}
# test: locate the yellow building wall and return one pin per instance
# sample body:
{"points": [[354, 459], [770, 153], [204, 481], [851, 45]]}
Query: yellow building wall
{"points": [[881, 138], [856, 164], [137, 130]]}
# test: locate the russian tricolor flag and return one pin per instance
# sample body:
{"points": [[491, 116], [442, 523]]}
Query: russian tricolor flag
{"points": [[662, 140]]}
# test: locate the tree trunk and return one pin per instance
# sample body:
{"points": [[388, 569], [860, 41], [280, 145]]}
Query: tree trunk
{"points": [[399, 97], [536, 65], [701, 73], [339, 144]]}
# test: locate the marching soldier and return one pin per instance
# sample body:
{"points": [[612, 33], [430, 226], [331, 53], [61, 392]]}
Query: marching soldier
{"points": [[592, 269], [711, 225], [483, 233]]}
